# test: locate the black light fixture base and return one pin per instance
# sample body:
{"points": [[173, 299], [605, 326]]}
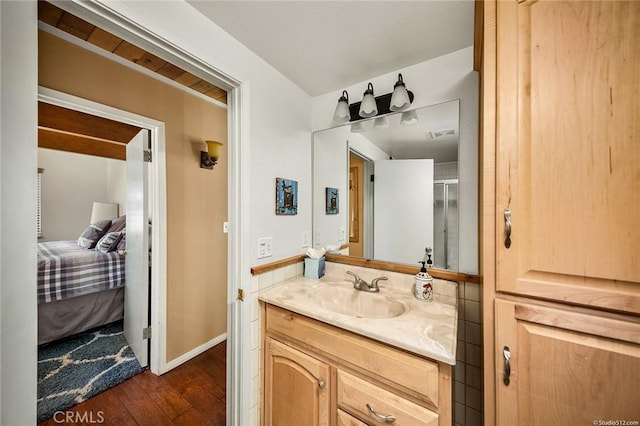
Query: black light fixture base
{"points": [[207, 162], [383, 102]]}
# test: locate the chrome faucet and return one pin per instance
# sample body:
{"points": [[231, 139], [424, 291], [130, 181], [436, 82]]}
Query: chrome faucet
{"points": [[362, 285]]}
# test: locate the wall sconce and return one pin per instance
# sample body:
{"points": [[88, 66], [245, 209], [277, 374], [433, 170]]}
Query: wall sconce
{"points": [[371, 106], [209, 158]]}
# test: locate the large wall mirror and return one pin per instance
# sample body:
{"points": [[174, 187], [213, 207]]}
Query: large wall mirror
{"points": [[389, 186]]}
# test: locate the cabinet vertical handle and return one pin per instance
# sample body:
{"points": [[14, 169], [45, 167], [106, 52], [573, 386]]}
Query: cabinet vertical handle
{"points": [[506, 353], [321, 384], [507, 228], [389, 418]]}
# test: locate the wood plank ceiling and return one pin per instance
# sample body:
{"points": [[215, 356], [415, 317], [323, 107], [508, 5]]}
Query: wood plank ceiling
{"points": [[71, 24], [67, 130]]}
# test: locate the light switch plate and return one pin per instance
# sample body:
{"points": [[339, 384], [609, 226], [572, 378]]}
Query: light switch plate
{"points": [[265, 247]]}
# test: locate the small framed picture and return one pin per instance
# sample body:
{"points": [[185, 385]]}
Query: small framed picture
{"points": [[332, 200], [286, 196]]}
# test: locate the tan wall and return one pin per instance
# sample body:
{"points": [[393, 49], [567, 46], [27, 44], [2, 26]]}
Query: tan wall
{"points": [[196, 198]]}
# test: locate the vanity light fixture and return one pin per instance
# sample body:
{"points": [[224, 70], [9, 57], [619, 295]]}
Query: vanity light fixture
{"points": [[209, 158], [342, 114], [371, 106], [368, 106], [409, 117]]}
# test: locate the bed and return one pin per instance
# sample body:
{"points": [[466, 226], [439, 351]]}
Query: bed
{"points": [[79, 288]]}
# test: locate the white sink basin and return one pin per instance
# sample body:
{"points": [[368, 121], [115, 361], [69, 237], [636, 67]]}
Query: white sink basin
{"points": [[359, 304]]}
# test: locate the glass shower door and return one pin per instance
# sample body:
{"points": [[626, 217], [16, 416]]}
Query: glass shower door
{"points": [[445, 224]]}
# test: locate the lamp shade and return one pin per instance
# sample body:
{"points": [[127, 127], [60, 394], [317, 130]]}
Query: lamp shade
{"points": [[101, 211], [213, 147], [342, 113], [400, 97], [381, 123], [368, 106], [357, 127], [409, 117]]}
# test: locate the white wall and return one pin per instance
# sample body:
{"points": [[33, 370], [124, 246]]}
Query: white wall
{"points": [[70, 184], [18, 136], [438, 80]]}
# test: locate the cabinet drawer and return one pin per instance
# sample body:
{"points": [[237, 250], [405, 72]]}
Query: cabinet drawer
{"points": [[393, 367], [345, 419], [356, 396]]}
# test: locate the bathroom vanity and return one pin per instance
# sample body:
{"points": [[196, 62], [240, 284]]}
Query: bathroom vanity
{"points": [[333, 355]]}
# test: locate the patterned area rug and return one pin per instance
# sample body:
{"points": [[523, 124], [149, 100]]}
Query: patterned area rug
{"points": [[75, 369]]}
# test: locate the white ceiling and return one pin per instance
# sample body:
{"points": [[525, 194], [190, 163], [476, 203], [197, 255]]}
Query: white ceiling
{"points": [[325, 46]]}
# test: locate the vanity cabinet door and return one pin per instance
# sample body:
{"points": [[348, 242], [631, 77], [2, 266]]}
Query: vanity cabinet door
{"points": [[560, 367], [296, 387], [568, 145]]}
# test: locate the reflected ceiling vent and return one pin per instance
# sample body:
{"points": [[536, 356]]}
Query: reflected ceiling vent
{"points": [[441, 133]]}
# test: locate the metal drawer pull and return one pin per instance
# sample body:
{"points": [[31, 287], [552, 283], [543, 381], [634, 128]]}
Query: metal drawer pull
{"points": [[321, 384], [388, 419], [507, 365], [507, 228]]}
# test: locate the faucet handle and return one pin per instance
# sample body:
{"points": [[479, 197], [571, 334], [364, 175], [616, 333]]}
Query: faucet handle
{"points": [[353, 274], [374, 282], [358, 281]]}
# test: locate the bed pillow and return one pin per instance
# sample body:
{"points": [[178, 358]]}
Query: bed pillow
{"points": [[118, 224], [109, 242], [93, 233]]}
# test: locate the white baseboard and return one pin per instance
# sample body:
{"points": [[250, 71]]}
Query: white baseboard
{"points": [[194, 352]]}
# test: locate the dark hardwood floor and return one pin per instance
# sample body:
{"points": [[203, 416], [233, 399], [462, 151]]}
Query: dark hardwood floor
{"points": [[192, 394]]}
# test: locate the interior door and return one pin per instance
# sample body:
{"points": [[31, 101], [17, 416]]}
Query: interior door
{"points": [[136, 290], [402, 209]]}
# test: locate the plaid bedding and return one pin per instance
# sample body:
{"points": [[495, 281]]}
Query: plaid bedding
{"points": [[66, 270]]}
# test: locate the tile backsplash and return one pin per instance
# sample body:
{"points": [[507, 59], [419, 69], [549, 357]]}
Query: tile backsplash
{"points": [[467, 376]]}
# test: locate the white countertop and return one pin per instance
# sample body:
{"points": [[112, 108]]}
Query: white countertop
{"points": [[425, 328]]}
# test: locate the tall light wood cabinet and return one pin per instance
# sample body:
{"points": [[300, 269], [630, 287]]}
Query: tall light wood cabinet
{"points": [[561, 190]]}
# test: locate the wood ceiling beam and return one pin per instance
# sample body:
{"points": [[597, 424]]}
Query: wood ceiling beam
{"points": [[78, 144], [67, 120]]}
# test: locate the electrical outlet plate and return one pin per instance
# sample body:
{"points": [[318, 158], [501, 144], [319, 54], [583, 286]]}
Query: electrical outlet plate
{"points": [[342, 234], [305, 238]]}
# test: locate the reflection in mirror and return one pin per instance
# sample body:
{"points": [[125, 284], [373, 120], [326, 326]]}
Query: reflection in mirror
{"points": [[397, 183]]}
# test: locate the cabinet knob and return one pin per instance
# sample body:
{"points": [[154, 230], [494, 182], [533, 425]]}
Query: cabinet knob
{"points": [[321, 384], [388, 418]]}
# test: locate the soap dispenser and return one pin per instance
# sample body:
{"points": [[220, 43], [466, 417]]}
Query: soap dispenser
{"points": [[423, 289]]}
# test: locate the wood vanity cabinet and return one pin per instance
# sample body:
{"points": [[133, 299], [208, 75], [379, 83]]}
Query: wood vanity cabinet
{"points": [[561, 190], [317, 374]]}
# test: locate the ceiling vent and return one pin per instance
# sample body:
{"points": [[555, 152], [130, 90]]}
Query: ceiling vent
{"points": [[441, 133]]}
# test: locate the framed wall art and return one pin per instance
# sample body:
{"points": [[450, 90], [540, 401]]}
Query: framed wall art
{"points": [[286, 197], [332, 201]]}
